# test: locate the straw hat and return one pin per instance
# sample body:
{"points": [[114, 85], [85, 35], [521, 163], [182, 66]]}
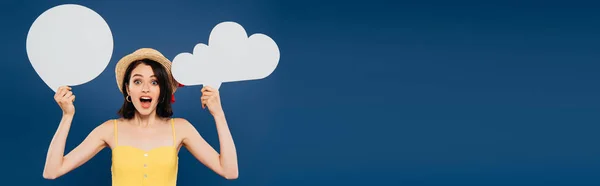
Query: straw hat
{"points": [[143, 53]]}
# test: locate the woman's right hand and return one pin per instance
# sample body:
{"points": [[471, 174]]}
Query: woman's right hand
{"points": [[65, 98]]}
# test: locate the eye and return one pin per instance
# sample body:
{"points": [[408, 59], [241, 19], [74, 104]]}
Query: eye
{"points": [[137, 81], [154, 82]]}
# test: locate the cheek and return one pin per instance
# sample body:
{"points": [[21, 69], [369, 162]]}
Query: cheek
{"points": [[155, 91], [132, 93], [133, 89]]}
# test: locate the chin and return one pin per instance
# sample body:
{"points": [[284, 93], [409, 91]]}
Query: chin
{"points": [[145, 111]]}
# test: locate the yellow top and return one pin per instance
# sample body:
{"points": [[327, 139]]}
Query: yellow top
{"points": [[132, 166]]}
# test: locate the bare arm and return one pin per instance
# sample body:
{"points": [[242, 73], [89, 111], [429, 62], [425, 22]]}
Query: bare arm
{"points": [[57, 164], [225, 163]]}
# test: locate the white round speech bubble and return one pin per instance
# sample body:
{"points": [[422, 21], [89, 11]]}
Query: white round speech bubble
{"points": [[69, 45]]}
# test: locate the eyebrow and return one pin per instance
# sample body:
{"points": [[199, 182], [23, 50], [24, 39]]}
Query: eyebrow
{"points": [[141, 75]]}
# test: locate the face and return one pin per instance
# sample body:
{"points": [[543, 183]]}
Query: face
{"points": [[144, 89]]}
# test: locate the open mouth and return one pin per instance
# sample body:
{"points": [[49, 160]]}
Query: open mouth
{"points": [[145, 101]]}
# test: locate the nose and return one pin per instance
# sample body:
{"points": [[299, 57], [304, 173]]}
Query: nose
{"points": [[145, 88]]}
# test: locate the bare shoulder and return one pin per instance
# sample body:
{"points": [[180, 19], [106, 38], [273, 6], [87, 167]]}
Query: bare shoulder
{"points": [[183, 126], [104, 130], [182, 123], [108, 124]]}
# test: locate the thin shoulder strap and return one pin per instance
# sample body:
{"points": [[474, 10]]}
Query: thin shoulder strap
{"points": [[173, 129], [116, 130]]}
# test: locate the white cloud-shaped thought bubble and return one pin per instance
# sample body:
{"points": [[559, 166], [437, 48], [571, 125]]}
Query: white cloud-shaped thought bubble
{"points": [[229, 56]]}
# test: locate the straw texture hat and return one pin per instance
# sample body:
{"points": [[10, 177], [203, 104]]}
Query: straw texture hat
{"points": [[143, 53]]}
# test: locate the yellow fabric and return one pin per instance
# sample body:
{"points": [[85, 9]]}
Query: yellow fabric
{"points": [[132, 166]]}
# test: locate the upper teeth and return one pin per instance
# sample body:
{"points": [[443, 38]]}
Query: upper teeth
{"points": [[145, 98]]}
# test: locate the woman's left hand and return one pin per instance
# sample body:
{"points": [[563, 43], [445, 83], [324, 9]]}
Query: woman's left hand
{"points": [[211, 99]]}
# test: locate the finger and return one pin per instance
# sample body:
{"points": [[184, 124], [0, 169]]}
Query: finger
{"points": [[64, 87], [58, 92], [209, 88], [205, 90], [60, 95], [66, 98], [67, 93], [207, 93], [71, 98]]}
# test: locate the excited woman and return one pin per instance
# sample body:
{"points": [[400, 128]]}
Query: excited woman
{"points": [[145, 140]]}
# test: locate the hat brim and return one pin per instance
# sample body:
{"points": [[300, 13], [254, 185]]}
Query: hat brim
{"points": [[140, 54]]}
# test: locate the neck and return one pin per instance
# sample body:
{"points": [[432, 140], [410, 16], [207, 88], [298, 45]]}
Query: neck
{"points": [[145, 120]]}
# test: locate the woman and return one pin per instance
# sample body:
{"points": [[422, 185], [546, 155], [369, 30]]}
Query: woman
{"points": [[145, 140]]}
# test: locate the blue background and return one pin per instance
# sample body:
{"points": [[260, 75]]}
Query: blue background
{"points": [[366, 92]]}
